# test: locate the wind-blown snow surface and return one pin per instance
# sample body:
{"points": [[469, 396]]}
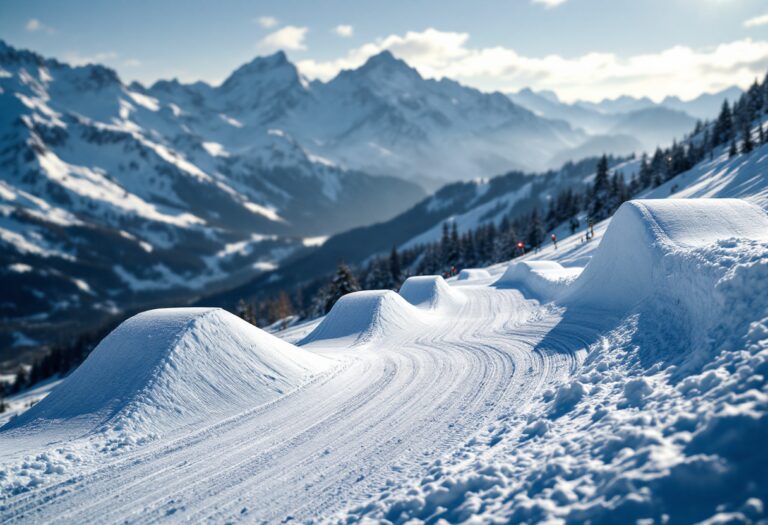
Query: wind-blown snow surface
{"points": [[508, 407]]}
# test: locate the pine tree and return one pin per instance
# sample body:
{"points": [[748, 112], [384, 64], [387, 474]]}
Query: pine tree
{"points": [[454, 248], [755, 101], [21, 381], [506, 238], [658, 167], [574, 225], [723, 129], [645, 175], [377, 276], [732, 152], [468, 251], [747, 145], [282, 308], [600, 191], [395, 269], [536, 230], [445, 246], [343, 282]]}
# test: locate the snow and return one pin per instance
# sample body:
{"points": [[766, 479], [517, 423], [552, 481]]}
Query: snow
{"points": [[168, 368], [544, 279], [364, 317], [483, 400], [431, 292], [314, 241], [620, 379], [20, 268], [471, 274], [645, 249], [147, 102], [215, 149]]}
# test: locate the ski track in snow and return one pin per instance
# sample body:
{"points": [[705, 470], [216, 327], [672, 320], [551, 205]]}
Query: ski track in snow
{"points": [[486, 408], [379, 419]]}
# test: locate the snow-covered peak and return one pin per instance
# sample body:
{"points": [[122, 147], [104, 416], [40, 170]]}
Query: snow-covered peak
{"points": [[273, 71], [267, 86], [383, 71]]}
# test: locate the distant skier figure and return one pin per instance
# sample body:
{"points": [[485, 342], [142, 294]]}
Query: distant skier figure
{"points": [[554, 240]]}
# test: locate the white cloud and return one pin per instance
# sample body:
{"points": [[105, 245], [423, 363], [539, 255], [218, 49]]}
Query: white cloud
{"points": [[267, 21], [132, 62], [549, 4], [344, 30], [679, 70], [34, 25], [756, 21], [76, 59], [288, 38]]}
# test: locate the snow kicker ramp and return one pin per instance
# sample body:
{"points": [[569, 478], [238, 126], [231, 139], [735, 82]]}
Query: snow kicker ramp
{"points": [[544, 279], [654, 246], [473, 274], [362, 317], [431, 292], [172, 367]]}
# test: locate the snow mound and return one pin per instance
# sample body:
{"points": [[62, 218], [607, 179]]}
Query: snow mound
{"points": [[651, 246], [362, 317], [168, 368], [472, 274], [544, 279], [430, 292]]}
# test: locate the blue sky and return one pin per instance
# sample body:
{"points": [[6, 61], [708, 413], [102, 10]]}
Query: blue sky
{"points": [[587, 49]]}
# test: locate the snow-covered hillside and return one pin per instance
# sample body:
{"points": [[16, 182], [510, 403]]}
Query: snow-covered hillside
{"points": [[478, 400], [382, 118], [182, 198], [742, 177], [620, 376], [626, 124]]}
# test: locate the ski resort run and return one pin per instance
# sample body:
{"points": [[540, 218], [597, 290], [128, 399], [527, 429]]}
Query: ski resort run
{"points": [[525, 392]]}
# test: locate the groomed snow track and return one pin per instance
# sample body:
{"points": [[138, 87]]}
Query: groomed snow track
{"points": [[428, 384], [376, 420]]}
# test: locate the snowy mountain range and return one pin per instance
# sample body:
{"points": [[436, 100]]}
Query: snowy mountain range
{"points": [[193, 185], [382, 118], [625, 124], [110, 196]]}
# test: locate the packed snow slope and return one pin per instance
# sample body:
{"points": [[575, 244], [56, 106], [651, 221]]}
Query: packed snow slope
{"points": [[363, 317], [647, 244], [544, 279], [471, 274], [171, 367], [509, 408], [665, 418], [430, 292]]}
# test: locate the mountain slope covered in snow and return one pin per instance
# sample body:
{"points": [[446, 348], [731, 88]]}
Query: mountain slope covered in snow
{"points": [[626, 124], [382, 118], [181, 199], [469, 401], [468, 203]]}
